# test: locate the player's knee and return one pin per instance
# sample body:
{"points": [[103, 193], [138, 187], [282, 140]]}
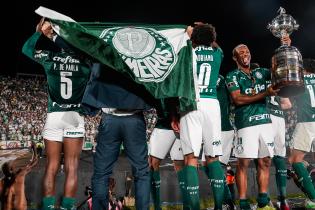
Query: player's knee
{"points": [[71, 167], [242, 164], [178, 165], [211, 159], [264, 163], [297, 156], [52, 169]]}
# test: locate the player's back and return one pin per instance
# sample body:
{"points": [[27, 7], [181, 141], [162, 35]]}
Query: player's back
{"points": [[208, 62], [67, 78]]}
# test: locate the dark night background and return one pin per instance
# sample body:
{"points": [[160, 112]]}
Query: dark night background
{"points": [[238, 21]]}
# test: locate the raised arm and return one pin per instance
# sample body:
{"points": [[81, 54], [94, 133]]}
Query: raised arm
{"points": [[29, 46]]}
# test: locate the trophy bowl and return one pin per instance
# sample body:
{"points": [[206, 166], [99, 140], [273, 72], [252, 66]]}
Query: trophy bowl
{"points": [[287, 71]]}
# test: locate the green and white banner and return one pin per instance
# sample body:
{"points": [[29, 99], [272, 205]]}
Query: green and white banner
{"points": [[156, 56]]}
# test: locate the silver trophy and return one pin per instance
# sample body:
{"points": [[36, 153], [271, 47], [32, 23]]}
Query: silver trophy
{"points": [[287, 62]]}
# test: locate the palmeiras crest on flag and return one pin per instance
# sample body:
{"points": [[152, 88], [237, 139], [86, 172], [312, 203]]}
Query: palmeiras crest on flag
{"points": [[146, 51]]}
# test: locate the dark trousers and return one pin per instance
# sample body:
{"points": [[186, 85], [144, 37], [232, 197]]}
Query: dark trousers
{"points": [[114, 130]]}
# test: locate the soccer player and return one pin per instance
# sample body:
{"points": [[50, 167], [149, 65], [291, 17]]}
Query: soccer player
{"points": [[227, 130], [276, 105], [162, 141], [255, 134], [227, 135], [203, 124], [304, 133], [67, 76]]}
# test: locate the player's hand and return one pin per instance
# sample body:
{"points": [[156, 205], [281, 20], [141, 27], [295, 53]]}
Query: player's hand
{"points": [[271, 91], [47, 30], [285, 40], [189, 30], [175, 126], [40, 24]]}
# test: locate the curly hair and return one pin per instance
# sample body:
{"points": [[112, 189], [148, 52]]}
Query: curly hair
{"points": [[203, 35]]}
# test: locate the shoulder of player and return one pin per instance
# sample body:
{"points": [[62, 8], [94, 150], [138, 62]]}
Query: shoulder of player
{"points": [[262, 70], [232, 73]]}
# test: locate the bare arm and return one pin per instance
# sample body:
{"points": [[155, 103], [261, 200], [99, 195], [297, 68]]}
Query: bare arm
{"points": [[29, 46], [241, 99]]}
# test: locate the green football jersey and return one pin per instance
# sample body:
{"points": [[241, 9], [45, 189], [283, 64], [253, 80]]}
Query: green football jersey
{"points": [[306, 101], [224, 100], [67, 76], [255, 113], [208, 65]]}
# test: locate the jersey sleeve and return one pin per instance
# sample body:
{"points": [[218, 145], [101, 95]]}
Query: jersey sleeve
{"points": [[30, 51], [231, 82]]}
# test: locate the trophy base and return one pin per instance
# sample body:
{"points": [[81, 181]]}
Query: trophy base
{"points": [[290, 88]]}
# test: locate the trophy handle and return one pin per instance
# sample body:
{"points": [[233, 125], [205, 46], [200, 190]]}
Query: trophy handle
{"points": [[281, 11]]}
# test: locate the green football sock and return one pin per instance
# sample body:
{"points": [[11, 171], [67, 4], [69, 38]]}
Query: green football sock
{"points": [[155, 189], [244, 204], [262, 200], [48, 203], [182, 186], [192, 187], [281, 176], [217, 181], [68, 203], [305, 179]]}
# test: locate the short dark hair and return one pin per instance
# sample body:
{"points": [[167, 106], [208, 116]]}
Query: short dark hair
{"points": [[234, 49], [309, 65], [203, 34]]}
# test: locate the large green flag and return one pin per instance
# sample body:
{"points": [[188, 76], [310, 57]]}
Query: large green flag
{"points": [[156, 56]]}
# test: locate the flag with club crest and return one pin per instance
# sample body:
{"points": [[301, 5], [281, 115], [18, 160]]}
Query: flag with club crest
{"points": [[156, 56]]}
